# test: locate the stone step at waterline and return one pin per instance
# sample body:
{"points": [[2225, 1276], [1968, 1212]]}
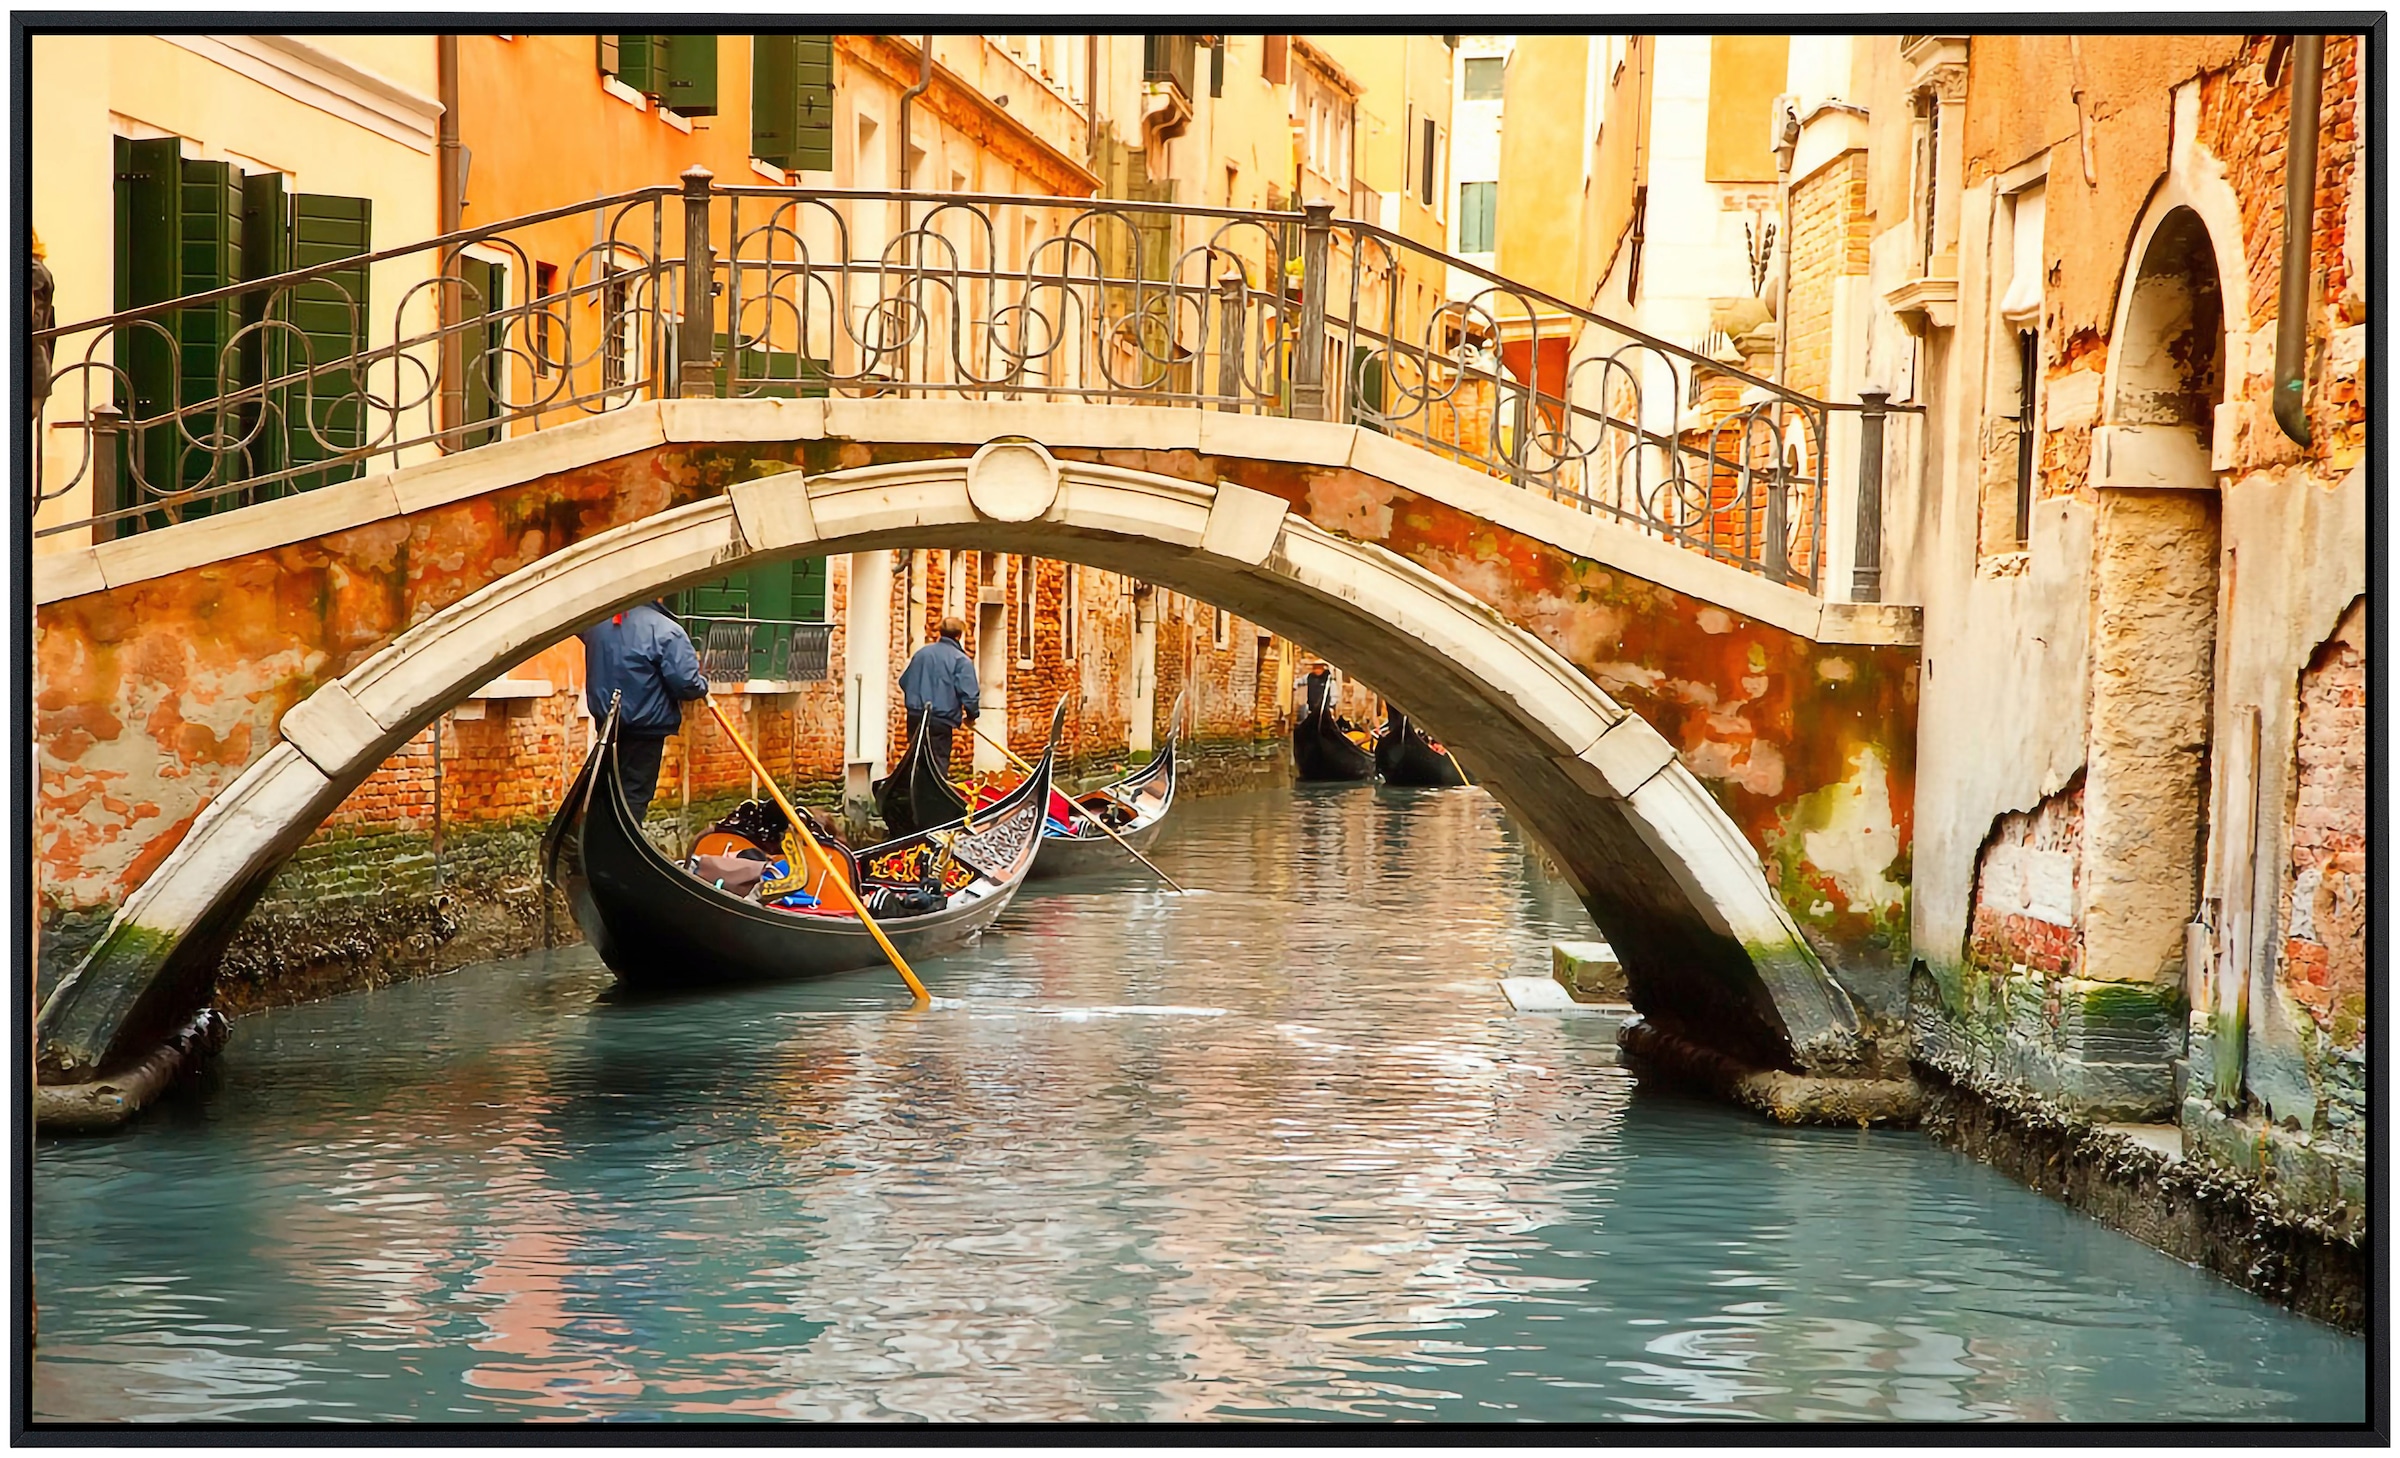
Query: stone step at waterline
{"points": [[1588, 971], [1542, 995]]}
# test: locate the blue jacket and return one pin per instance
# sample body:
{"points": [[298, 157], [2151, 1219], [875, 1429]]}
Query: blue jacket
{"points": [[941, 678], [648, 656]]}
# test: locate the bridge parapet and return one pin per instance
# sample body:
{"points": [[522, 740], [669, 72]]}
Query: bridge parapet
{"points": [[326, 373]]}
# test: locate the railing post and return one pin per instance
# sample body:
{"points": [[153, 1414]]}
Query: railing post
{"points": [[1308, 345], [1229, 338], [105, 422], [697, 349], [1775, 553], [1866, 567]]}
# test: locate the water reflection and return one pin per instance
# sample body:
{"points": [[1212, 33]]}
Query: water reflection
{"points": [[1274, 1150]]}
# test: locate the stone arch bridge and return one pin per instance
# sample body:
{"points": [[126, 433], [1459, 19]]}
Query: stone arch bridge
{"points": [[1721, 762]]}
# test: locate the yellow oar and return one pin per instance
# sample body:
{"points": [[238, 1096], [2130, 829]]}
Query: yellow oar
{"points": [[899, 963], [1086, 814]]}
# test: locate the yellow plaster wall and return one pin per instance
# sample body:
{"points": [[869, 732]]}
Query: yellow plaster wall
{"points": [[1542, 153], [88, 88]]}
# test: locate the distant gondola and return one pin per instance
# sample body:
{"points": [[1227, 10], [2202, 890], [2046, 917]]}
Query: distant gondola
{"points": [[917, 793], [1135, 807], [1321, 750], [658, 926], [1405, 756]]}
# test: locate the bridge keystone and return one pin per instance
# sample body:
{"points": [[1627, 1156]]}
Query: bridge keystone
{"points": [[1012, 480], [774, 512], [1244, 524]]}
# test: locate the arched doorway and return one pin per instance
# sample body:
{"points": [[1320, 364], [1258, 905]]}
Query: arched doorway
{"points": [[2155, 584]]}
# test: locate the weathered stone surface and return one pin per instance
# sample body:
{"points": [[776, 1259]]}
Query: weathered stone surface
{"points": [[1589, 971]]}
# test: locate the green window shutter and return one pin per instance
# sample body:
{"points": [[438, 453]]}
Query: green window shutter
{"points": [[1366, 385], [483, 348], [808, 590], [326, 412], [774, 98], [208, 365], [149, 247], [770, 374], [637, 62], [812, 146], [791, 101], [266, 252], [691, 74], [608, 60]]}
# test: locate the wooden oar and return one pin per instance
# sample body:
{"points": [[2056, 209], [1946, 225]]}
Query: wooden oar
{"points": [[1086, 814], [899, 963]]}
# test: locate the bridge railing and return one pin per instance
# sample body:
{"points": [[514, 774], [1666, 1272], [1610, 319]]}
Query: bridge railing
{"points": [[281, 384]]}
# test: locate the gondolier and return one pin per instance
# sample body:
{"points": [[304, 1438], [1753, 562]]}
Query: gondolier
{"points": [[645, 655], [940, 692]]}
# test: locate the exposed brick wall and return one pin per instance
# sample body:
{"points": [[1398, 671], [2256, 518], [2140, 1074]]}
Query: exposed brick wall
{"points": [[2029, 891], [2324, 895], [1829, 240]]}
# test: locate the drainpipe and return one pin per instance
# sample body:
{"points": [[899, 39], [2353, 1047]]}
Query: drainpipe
{"points": [[908, 99], [2299, 224], [1091, 102], [453, 205]]}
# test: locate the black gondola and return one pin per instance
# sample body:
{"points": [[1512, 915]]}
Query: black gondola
{"points": [[918, 793], [657, 926], [1141, 800], [1404, 755], [1322, 751]]}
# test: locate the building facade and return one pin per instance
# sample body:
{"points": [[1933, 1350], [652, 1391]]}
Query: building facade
{"points": [[2138, 805]]}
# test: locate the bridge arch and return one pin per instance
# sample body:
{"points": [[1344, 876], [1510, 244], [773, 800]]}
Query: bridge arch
{"points": [[1711, 950]]}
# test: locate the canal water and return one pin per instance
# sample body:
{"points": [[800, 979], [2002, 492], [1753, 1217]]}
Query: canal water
{"points": [[1276, 1150]]}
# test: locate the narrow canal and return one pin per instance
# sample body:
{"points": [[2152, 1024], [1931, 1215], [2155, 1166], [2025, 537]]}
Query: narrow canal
{"points": [[1277, 1150]]}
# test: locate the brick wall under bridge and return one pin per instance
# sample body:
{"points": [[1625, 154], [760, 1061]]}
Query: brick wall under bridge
{"points": [[167, 661]]}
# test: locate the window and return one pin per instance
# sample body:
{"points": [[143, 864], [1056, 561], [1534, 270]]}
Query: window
{"points": [[545, 320], [1216, 67], [1478, 208], [2029, 379], [483, 347], [186, 226], [791, 101], [1929, 152], [620, 327], [1427, 163], [679, 72], [1025, 611], [1276, 65], [1481, 78], [1224, 627], [766, 623]]}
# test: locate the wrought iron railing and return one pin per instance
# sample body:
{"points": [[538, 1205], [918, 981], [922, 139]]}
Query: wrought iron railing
{"points": [[782, 650], [759, 291]]}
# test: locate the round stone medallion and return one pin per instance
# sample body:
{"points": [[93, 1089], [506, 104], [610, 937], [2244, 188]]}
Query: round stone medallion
{"points": [[1012, 480]]}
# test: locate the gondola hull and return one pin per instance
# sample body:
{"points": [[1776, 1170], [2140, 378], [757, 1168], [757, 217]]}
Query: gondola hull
{"points": [[1084, 855], [1320, 751], [659, 928], [1404, 756], [918, 793]]}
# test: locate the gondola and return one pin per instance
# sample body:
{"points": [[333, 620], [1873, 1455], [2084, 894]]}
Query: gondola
{"points": [[1321, 750], [1404, 755], [659, 927], [918, 793], [1135, 807]]}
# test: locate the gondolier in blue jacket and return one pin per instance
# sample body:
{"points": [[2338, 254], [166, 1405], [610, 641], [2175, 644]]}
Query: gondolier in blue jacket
{"points": [[644, 654], [939, 684]]}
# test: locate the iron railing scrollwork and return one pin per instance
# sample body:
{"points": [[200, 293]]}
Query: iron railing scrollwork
{"points": [[744, 292]]}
